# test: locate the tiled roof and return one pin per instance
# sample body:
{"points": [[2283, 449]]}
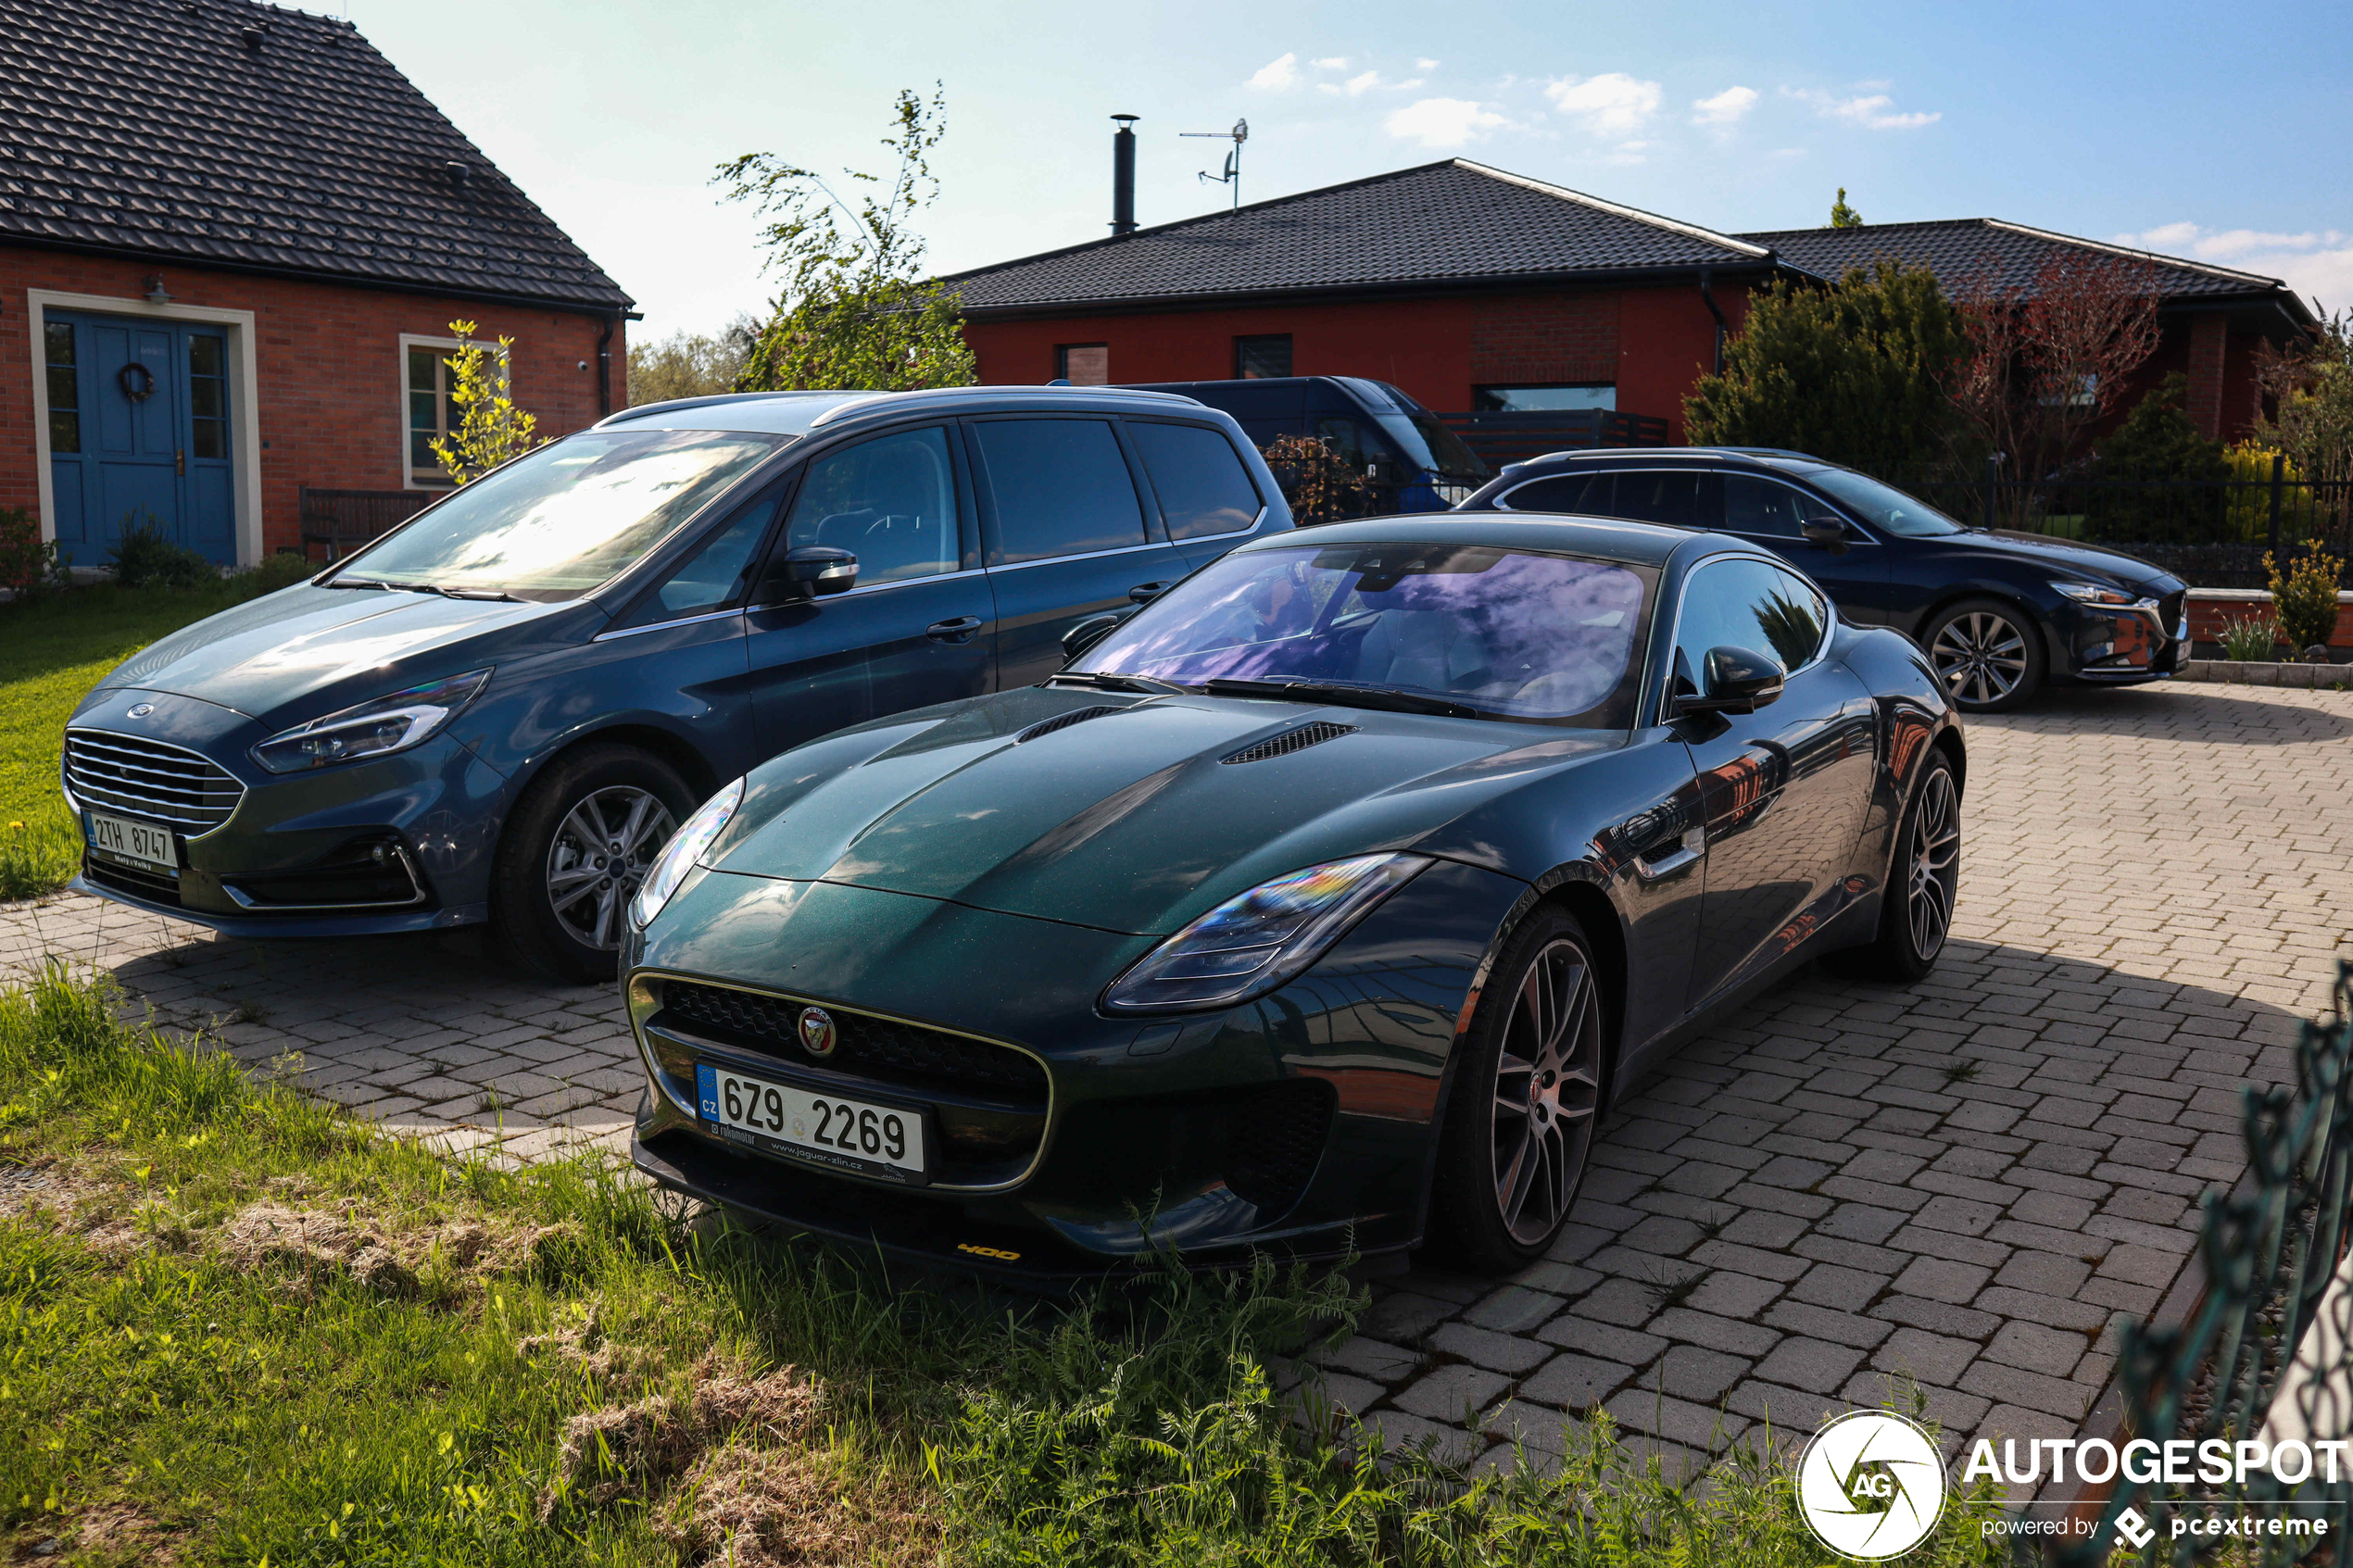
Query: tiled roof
{"points": [[2008, 255], [221, 131], [1455, 222]]}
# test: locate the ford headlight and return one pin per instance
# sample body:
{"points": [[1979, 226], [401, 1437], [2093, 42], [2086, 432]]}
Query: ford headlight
{"points": [[685, 848], [1258, 940], [371, 729]]}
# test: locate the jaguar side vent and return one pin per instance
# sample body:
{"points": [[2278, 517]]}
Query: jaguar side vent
{"points": [[1289, 740], [1063, 721]]}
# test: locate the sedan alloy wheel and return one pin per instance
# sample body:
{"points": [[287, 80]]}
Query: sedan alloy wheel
{"points": [[1981, 656]]}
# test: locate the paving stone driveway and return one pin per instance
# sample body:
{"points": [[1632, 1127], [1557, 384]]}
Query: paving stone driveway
{"points": [[1962, 1181]]}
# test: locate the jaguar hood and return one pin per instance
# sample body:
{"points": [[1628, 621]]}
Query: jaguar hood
{"points": [[290, 656], [1121, 812]]}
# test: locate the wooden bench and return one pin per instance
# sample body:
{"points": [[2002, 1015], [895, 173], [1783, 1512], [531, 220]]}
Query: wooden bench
{"points": [[342, 521]]}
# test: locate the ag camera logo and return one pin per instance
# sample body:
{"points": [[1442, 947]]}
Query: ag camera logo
{"points": [[1870, 1486]]}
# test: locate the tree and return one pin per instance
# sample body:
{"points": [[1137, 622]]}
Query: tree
{"points": [[2310, 386], [2159, 439], [1856, 373], [490, 428], [2048, 361], [856, 310], [691, 364], [1843, 216]]}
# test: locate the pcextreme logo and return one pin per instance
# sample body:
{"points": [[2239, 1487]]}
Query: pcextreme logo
{"points": [[1870, 1486]]}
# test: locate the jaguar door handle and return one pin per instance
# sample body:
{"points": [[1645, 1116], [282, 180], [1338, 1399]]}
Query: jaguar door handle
{"points": [[1687, 851], [959, 629], [1145, 592]]}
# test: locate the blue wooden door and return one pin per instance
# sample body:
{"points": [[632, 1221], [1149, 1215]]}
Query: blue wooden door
{"points": [[139, 434]]}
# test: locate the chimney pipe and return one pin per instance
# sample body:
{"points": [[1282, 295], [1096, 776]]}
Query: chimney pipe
{"points": [[1122, 176]]}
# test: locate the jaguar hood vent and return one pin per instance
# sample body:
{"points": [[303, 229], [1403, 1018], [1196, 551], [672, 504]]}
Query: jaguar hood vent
{"points": [[1063, 721], [1288, 741]]}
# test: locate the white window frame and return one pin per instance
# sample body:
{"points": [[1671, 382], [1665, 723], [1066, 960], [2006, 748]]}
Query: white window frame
{"points": [[412, 477]]}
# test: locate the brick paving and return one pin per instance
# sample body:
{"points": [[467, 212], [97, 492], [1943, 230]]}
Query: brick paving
{"points": [[1963, 1182]]}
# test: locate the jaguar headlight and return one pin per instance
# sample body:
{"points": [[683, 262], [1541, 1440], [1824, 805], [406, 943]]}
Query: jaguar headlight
{"points": [[371, 729], [685, 848], [1260, 939]]}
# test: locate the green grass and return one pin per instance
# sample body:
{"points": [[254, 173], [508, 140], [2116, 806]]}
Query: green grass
{"points": [[53, 649], [237, 1325]]}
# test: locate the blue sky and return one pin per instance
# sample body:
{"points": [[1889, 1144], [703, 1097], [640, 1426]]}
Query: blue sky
{"points": [[2194, 130]]}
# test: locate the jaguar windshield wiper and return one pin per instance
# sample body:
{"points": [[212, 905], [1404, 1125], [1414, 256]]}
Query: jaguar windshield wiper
{"points": [[1113, 681], [1352, 694]]}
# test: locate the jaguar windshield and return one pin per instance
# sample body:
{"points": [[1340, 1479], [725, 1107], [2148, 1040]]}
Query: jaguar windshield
{"points": [[1491, 633], [565, 519]]}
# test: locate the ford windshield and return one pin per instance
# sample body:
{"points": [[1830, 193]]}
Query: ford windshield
{"points": [[563, 520]]}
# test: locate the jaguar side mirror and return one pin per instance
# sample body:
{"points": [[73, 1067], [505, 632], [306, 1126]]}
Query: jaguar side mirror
{"points": [[1825, 533], [1737, 681], [1089, 631], [811, 572]]}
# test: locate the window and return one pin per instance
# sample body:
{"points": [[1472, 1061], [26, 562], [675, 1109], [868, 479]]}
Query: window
{"points": [[207, 398], [1565, 493], [715, 576], [65, 387], [1882, 506], [1746, 604], [429, 412], [1061, 488], [1202, 486], [891, 502], [1083, 364], [1351, 441], [1559, 397], [1255, 359], [1760, 506], [1678, 498]]}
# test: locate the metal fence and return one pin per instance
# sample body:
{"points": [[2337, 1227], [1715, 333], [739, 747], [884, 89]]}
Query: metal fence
{"points": [[1501, 438], [2264, 1357], [2211, 534]]}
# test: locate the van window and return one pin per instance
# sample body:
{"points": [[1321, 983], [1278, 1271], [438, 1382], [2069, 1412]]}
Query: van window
{"points": [[891, 502], [713, 577], [1061, 488], [1202, 486]]}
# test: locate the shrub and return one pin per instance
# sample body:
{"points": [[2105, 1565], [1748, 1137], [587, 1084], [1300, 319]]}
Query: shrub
{"points": [[2250, 638], [144, 556], [28, 562], [282, 570], [2304, 596], [2248, 464]]}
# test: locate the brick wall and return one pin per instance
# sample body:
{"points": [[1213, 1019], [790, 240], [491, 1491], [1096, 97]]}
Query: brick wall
{"points": [[328, 369], [1544, 337], [2209, 343]]}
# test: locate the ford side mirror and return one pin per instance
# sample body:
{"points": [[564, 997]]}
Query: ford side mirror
{"points": [[1089, 631], [1737, 681], [812, 571], [1825, 533]]}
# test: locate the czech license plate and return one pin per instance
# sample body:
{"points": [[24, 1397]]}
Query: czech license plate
{"points": [[826, 1129], [149, 843]]}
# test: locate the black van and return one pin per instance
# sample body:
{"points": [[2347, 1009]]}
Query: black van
{"points": [[1377, 429]]}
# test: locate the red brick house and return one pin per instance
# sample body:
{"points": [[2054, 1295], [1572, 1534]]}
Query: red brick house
{"points": [[1473, 288], [232, 240]]}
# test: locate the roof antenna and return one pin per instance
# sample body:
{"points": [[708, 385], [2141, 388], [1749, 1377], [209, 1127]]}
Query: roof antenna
{"points": [[1233, 175]]}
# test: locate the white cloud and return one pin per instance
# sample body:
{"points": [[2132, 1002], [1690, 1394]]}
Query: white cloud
{"points": [[1332, 62], [1613, 103], [1874, 111], [1725, 108], [1362, 83], [1277, 74], [2317, 264], [1442, 123], [1425, 65]]}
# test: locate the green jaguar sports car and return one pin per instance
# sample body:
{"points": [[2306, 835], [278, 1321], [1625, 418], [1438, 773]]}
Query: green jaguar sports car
{"points": [[1323, 903]]}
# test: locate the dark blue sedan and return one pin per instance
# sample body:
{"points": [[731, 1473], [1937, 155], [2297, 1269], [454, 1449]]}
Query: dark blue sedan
{"points": [[1999, 613], [502, 709]]}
